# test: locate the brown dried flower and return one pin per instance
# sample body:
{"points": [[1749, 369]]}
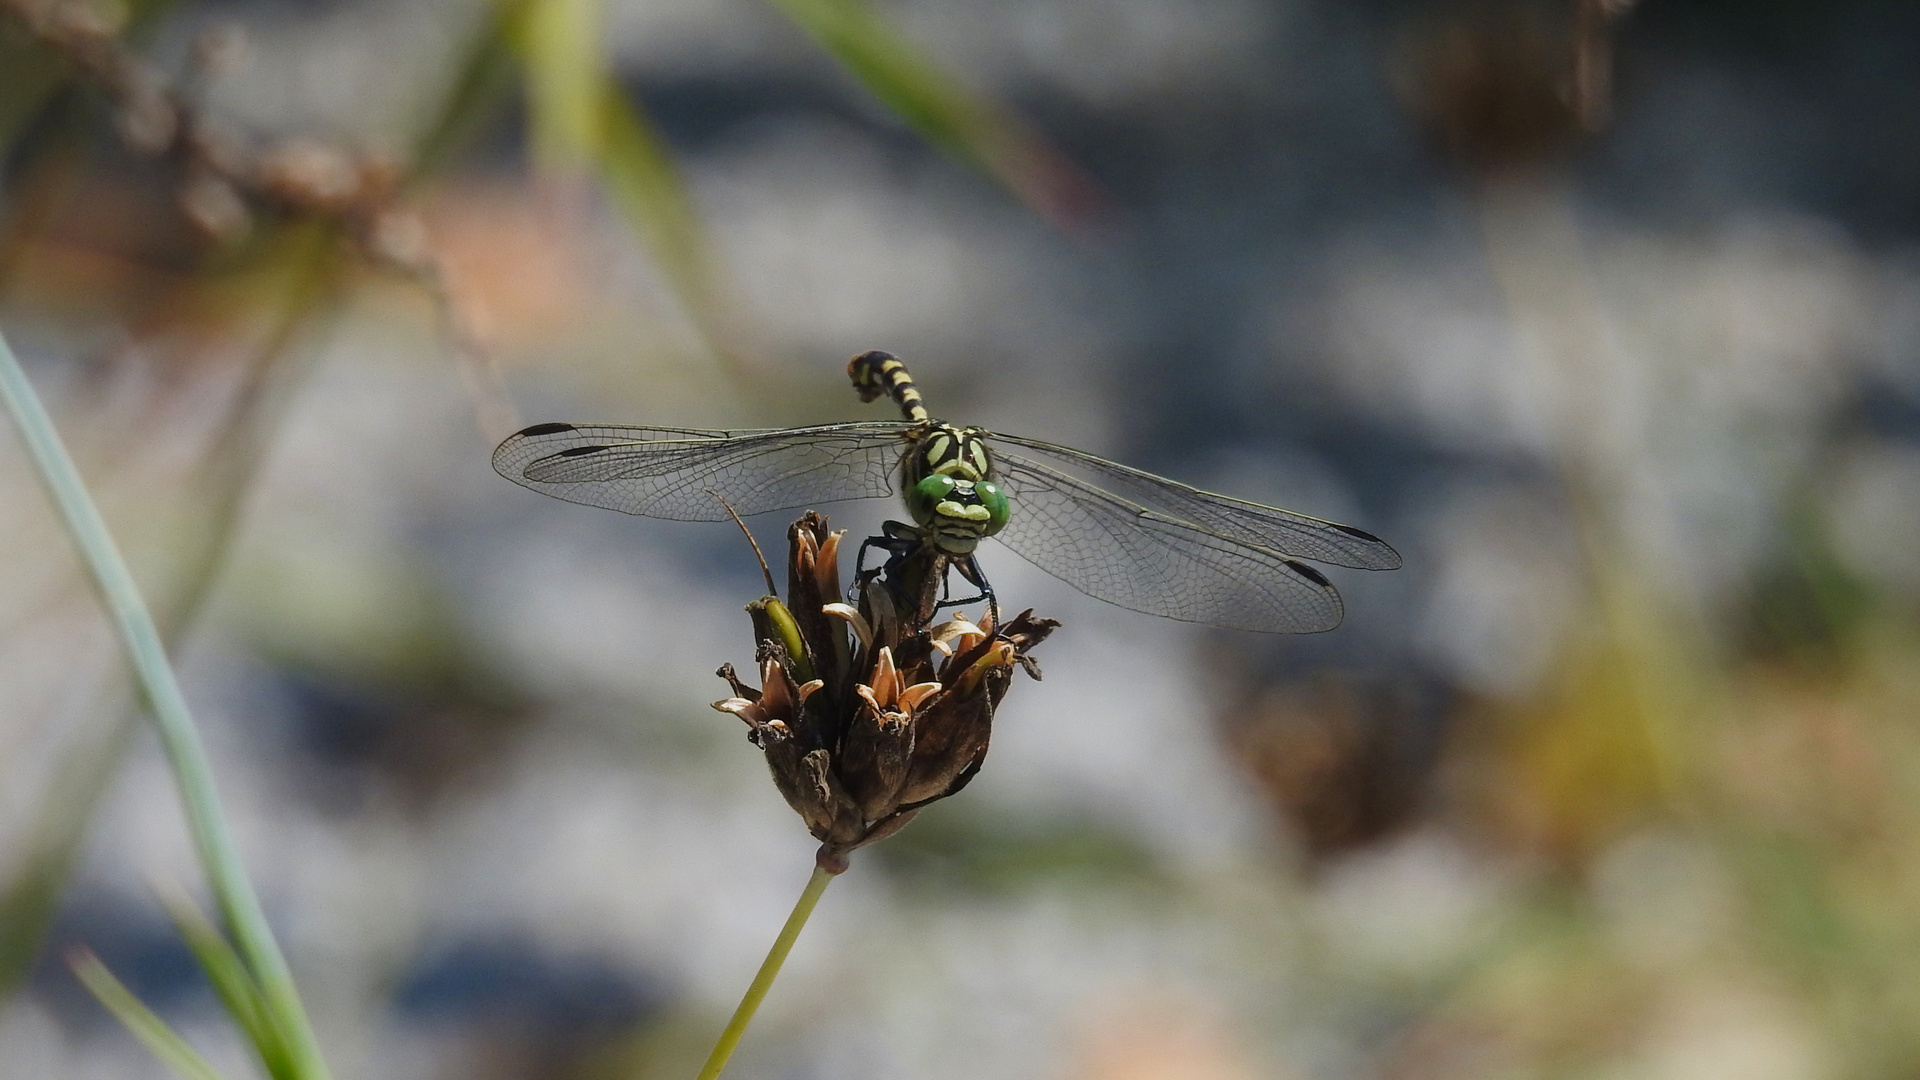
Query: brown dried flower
{"points": [[866, 716]]}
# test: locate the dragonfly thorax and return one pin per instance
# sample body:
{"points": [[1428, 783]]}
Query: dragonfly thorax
{"points": [[956, 451], [950, 490]]}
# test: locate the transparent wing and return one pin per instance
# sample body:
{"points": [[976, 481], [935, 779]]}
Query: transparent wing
{"points": [[1247, 523], [667, 472], [1139, 558]]}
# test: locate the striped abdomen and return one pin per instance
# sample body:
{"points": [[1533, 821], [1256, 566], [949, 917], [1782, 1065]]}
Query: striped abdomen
{"points": [[875, 373]]}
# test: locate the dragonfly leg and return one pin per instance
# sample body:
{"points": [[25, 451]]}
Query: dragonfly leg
{"points": [[947, 602], [913, 573], [897, 547], [969, 568], [861, 575], [913, 568]]}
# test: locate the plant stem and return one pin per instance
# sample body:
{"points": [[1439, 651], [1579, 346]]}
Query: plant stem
{"points": [[226, 875], [763, 981]]}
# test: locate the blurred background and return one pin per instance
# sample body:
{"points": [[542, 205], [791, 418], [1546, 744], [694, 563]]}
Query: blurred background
{"points": [[1607, 316]]}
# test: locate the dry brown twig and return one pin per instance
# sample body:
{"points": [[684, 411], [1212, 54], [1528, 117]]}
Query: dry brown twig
{"points": [[227, 181]]}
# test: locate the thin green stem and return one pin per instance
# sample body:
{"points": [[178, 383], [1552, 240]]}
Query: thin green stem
{"points": [[226, 876], [763, 981], [169, 1047]]}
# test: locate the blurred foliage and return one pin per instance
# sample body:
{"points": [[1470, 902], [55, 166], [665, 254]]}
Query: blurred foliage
{"points": [[978, 130], [285, 276], [252, 974], [958, 849]]}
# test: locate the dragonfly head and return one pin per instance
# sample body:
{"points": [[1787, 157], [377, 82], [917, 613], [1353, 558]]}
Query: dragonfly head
{"points": [[950, 489]]}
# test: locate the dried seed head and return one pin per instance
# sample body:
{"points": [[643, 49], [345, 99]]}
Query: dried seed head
{"points": [[865, 716]]}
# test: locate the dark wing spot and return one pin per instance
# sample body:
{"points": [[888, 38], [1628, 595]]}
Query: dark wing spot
{"points": [[1309, 573], [545, 429], [578, 451], [1392, 560]]}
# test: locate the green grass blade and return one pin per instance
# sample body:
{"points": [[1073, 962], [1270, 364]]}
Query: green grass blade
{"points": [[645, 186], [166, 1044], [231, 981], [178, 736], [583, 124], [947, 114], [484, 75], [81, 778], [45, 860], [560, 42]]}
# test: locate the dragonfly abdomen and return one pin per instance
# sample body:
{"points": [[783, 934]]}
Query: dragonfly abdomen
{"points": [[875, 373]]}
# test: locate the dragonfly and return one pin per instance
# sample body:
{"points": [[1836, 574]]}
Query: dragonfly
{"points": [[1116, 533]]}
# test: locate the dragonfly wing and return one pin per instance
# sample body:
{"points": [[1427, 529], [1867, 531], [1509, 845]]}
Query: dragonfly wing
{"points": [[1247, 523], [1139, 558], [668, 472]]}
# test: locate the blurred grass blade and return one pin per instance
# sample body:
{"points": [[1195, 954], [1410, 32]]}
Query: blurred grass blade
{"points": [[231, 981], [187, 758], [583, 124], [641, 178], [646, 188], [44, 860], [560, 41], [165, 1043], [484, 75], [975, 129], [81, 778]]}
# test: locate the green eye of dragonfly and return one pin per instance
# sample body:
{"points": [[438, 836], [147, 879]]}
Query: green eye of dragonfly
{"points": [[995, 501], [935, 487], [925, 497]]}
